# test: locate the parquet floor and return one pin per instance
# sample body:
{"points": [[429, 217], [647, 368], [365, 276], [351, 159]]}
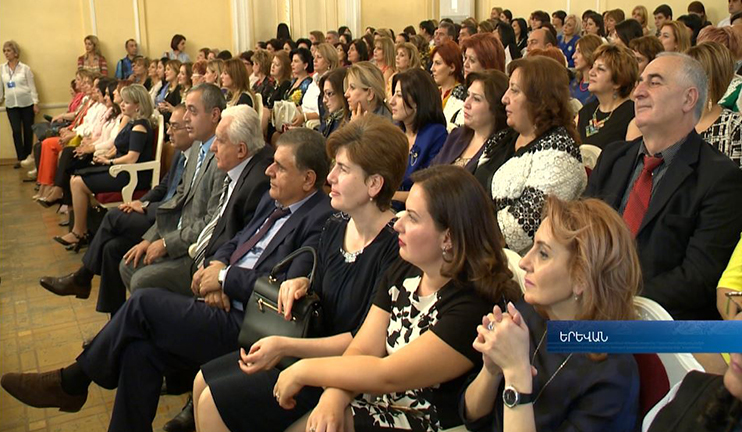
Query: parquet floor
{"points": [[38, 330]]}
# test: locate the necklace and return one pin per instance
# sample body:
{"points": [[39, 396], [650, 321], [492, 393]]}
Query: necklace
{"points": [[586, 86], [594, 125], [555, 372], [350, 257]]}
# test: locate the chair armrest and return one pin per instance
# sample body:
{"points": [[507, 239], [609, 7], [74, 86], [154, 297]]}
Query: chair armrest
{"points": [[127, 192]]}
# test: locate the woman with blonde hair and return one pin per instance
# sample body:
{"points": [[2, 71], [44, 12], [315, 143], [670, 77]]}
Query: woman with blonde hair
{"points": [[384, 58], [213, 74], [674, 37], [569, 37], [365, 91], [237, 82], [171, 93], [583, 266], [92, 60], [407, 57], [134, 143], [641, 14]]}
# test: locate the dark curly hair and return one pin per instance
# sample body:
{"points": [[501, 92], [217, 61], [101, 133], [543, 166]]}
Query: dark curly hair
{"points": [[457, 202], [545, 84]]}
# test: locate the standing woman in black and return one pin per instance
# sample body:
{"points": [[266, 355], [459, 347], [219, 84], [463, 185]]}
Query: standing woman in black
{"points": [[18, 89]]}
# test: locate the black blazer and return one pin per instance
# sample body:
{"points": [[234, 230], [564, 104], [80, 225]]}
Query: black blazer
{"points": [[251, 186], [692, 225], [303, 228]]}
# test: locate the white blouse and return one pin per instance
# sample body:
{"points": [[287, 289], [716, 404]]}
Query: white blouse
{"points": [[18, 87]]}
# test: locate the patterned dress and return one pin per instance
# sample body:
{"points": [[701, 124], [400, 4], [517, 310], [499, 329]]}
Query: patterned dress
{"points": [[452, 314], [726, 134]]}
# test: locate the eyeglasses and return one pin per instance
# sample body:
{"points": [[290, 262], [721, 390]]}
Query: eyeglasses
{"points": [[175, 127]]}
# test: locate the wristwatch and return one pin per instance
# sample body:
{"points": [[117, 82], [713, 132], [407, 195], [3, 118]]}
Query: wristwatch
{"points": [[512, 397]]}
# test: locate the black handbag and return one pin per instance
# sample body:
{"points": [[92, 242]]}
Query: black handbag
{"points": [[261, 310]]}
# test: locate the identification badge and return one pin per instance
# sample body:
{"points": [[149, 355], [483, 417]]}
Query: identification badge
{"points": [[11, 84]]}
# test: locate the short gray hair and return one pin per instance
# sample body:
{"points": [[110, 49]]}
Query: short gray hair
{"points": [[694, 76], [245, 127], [211, 96], [14, 46]]}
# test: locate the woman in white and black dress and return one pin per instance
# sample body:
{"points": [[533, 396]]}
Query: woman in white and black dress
{"points": [[414, 348], [356, 247]]}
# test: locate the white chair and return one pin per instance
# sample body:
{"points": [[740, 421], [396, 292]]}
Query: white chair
{"points": [[590, 154], [519, 275], [677, 365], [461, 428], [127, 193]]}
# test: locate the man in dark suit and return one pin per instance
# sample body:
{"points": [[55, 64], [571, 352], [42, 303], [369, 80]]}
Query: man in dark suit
{"points": [[123, 228], [157, 331], [179, 222], [681, 198], [240, 152]]}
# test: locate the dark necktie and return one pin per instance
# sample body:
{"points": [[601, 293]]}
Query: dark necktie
{"points": [[244, 248], [638, 203]]}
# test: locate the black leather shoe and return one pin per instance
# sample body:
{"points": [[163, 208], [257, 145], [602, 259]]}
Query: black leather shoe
{"points": [[184, 421], [66, 285]]}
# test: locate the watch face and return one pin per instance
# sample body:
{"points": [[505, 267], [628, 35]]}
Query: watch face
{"points": [[510, 397]]}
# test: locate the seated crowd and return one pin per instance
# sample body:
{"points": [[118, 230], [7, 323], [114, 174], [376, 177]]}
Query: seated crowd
{"points": [[417, 164]]}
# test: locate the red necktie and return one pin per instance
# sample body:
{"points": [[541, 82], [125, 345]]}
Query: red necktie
{"points": [[638, 202], [244, 248]]}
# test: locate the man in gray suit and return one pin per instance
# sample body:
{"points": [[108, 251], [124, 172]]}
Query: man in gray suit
{"points": [[179, 222]]}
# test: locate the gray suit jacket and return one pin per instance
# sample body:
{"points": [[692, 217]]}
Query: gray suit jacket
{"points": [[195, 204]]}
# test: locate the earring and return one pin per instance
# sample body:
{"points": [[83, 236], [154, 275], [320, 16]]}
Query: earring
{"points": [[615, 95], [446, 252], [577, 297]]}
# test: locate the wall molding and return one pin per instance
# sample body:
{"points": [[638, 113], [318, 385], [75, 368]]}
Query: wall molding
{"points": [[45, 106]]}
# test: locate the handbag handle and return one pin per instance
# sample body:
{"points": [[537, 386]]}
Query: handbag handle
{"points": [[290, 257]]}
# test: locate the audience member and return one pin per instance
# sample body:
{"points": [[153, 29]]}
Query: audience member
{"points": [[332, 37], [237, 82], [626, 31], [718, 126], [171, 94], [357, 51], [484, 116], [336, 109], [541, 39], [582, 267], [140, 72], [199, 71], [612, 77], [261, 70], [177, 49], [356, 247], [646, 49], [156, 327], [448, 73], [697, 8], [731, 38], [18, 90], [537, 155], [135, 143], [124, 67], [594, 25], [203, 54], [415, 109], [342, 51], [557, 20], [583, 60], [662, 14], [641, 15], [686, 231], [483, 52], [693, 25], [407, 57], [569, 37], [504, 32], [611, 19], [384, 59], [311, 109], [453, 269], [364, 90], [734, 7], [521, 34], [122, 228], [674, 37], [185, 81], [92, 60], [155, 79], [214, 70]]}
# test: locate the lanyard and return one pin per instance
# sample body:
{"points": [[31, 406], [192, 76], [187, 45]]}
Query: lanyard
{"points": [[12, 72]]}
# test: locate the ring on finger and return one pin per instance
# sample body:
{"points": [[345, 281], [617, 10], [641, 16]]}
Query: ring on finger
{"points": [[491, 326], [312, 429]]}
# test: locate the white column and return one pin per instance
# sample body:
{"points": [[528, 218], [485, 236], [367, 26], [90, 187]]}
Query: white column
{"points": [[137, 29], [93, 21], [242, 37], [353, 16]]}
